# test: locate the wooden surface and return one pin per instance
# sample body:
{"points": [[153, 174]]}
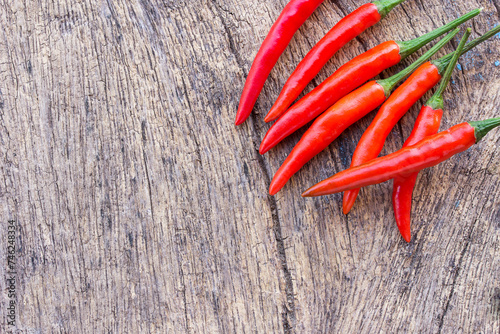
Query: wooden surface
{"points": [[141, 208]]}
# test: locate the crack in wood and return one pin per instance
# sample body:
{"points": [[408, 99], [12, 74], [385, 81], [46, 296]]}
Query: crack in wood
{"points": [[496, 3], [288, 313]]}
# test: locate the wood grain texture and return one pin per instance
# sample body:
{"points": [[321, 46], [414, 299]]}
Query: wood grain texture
{"points": [[141, 208]]}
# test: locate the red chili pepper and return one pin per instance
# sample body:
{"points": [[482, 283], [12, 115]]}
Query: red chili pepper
{"points": [[341, 115], [328, 126], [291, 18], [426, 153], [373, 139], [346, 78], [427, 124], [344, 31]]}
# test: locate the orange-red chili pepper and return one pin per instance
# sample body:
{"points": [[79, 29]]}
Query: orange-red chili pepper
{"points": [[341, 115], [373, 139], [427, 124], [291, 18], [328, 126], [344, 31], [346, 78], [426, 153]]}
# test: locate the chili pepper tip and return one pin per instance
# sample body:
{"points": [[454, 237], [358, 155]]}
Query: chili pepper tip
{"points": [[272, 190], [349, 200], [406, 236], [312, 191], [264, 147], [307, 193], [239, 120]]}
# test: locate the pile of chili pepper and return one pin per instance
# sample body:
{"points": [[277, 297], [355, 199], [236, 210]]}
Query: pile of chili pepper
{"points": [[339, 103]]}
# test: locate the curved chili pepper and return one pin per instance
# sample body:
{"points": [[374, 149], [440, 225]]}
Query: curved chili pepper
{"points": [[427, 124], [426, 153], [346, 78], [291, 18], [328, 126], [341, 115], [344, 31], [373, 139]]}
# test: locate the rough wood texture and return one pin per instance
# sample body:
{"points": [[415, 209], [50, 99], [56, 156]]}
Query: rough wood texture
{"points": [[142, 209]]}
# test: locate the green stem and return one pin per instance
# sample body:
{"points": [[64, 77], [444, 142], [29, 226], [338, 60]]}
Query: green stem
{"points": [[443, 62], [389, 83], [408, 47], [385, 6], [436, 101], [481, 128]]}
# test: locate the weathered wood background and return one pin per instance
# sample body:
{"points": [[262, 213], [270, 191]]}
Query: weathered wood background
{"points": [[141, 208]]}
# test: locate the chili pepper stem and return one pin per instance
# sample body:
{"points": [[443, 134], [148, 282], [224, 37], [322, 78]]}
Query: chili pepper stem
{"points": [[372, 141], [443, 62], [343, 31], [408, 47], [428, 152], [347, 78], [385, 6], [481, 128], [436, 101], [389, 83], [346, 113]]}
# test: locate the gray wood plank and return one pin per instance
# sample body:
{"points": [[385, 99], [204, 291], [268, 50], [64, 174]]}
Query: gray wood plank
{"points": [[140, 207]]}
